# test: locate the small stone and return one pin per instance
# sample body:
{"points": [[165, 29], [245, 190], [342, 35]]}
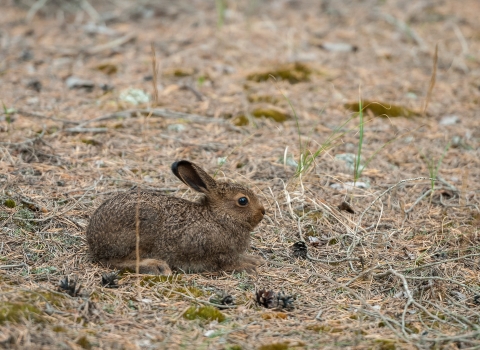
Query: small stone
{"points": [[78, 83], [450, 120], [339, 47], [348, 159], [176, 127], [209, 333], [99, 163], [134, 96]]}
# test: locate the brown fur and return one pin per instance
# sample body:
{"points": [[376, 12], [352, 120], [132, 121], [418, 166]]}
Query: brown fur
{"points": [[210, 235]]}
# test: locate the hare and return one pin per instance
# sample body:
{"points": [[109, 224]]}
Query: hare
{"points": [[210, 235]]}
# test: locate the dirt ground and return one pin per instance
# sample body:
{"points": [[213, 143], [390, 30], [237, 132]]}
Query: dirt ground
{"points": [[265, 93]]}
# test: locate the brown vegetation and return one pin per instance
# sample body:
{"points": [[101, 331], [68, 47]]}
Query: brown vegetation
{"points": [[402, 271]]}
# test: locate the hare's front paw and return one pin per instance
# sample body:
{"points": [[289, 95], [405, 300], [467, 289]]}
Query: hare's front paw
{"points": [[154, 267], [146, 266], [252, 259], [248, 263]]}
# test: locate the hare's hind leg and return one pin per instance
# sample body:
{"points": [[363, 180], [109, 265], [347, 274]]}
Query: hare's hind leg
{"points": [[247, 263], [146, 266]]}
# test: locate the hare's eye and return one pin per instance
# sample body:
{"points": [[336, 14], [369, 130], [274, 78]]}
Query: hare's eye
{"points": [[243, 201]]}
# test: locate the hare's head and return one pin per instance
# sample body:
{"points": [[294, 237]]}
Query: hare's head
{"points": [[236, 201]]}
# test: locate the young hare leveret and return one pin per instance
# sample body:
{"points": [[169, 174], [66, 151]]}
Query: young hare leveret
{"points": [[174, 233]]}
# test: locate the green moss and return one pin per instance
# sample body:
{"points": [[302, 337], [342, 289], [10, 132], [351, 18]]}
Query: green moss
{"points": [[151, 281], [333, 241], [271, 113], [208, 313], [315, 215], [382, 109], [318, 328], [59, 329], [15, 312], [84, 343], [107, 68], [255, 98], [385, 344], [292, 72], [180, 72], [193, 291], [10, 203], [240, 120], [233, 347], [275, 346], [56, 299], [91, 142]]}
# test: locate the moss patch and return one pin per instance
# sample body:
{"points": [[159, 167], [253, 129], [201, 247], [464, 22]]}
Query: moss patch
{"points": [[256, 98], [208, 313], [292, 72], [275, 346], [15, 312], [84, 343], [385, 344], [9, 203], [151, 281], [382, 109], [270, 113]]}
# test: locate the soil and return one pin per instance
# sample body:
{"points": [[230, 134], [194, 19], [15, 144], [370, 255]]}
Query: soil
{"points": [[355, 122]]}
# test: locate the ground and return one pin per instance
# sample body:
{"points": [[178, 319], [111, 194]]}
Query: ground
{"points": [[102, 96]]}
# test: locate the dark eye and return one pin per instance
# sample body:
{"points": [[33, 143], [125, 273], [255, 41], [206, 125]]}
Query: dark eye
{"points": [[243, 201]]}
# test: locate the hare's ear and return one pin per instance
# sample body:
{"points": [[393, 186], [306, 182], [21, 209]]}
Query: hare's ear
{"points": [[193, 176]]}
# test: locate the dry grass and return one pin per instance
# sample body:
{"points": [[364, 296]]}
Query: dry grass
{"points": [[402, 272]]}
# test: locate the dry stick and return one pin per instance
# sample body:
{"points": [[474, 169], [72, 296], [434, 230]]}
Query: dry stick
{"points": [[405, 28], [382, 194], [94, 15], [155, 75], [432, 80], [386, 321], [85, 130], [41, 116], [164, 113], [137, 233], [326, 261], [55, 214], [410, 299], [459, 318], [436, 263], [438, 278], [34, 9], [26, 142], [112, 44], [356, 240], [199, 300], [8, 267], [419, 199]]}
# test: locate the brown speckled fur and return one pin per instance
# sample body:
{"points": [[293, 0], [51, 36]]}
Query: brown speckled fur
{"points": [[210, 235]]}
